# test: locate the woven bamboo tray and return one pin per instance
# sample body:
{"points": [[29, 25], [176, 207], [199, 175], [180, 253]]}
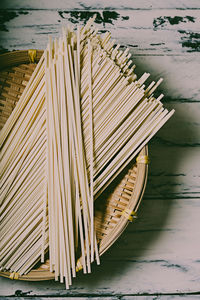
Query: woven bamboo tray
{"points": [[117, 206]]}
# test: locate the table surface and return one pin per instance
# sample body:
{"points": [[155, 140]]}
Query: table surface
{"points": [[158, 256]]}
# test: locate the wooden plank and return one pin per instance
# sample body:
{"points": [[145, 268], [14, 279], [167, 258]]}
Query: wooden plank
{"points": [[136, 297], [88, 4], [162, 297], [157, 32], [69, 298], [159, 253], [174, 172], [180, 75], [175, 155]]}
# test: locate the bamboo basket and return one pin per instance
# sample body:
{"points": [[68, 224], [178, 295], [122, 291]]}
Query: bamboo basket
{"points": [[116, 207]]}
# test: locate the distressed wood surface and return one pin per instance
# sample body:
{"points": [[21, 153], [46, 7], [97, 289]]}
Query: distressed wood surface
{"points": [[158, 256], [103, 4], [163, 31], [132, 297]]}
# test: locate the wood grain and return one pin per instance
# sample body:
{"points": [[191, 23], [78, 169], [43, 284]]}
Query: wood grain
{"points": [[88, 4], [163, 31]]}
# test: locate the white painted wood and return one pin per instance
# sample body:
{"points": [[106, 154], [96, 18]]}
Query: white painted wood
{"points": [[72, 298], [174, 172], [175, 155], [88, 4], [163, 31], [132, 297], [180, 74], [159, 253], [161, 297]]}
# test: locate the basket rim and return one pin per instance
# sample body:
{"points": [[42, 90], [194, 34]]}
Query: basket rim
{"points": [[12, 58]]}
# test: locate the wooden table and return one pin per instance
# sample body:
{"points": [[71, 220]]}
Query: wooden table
{"points": [[158, 256]]}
